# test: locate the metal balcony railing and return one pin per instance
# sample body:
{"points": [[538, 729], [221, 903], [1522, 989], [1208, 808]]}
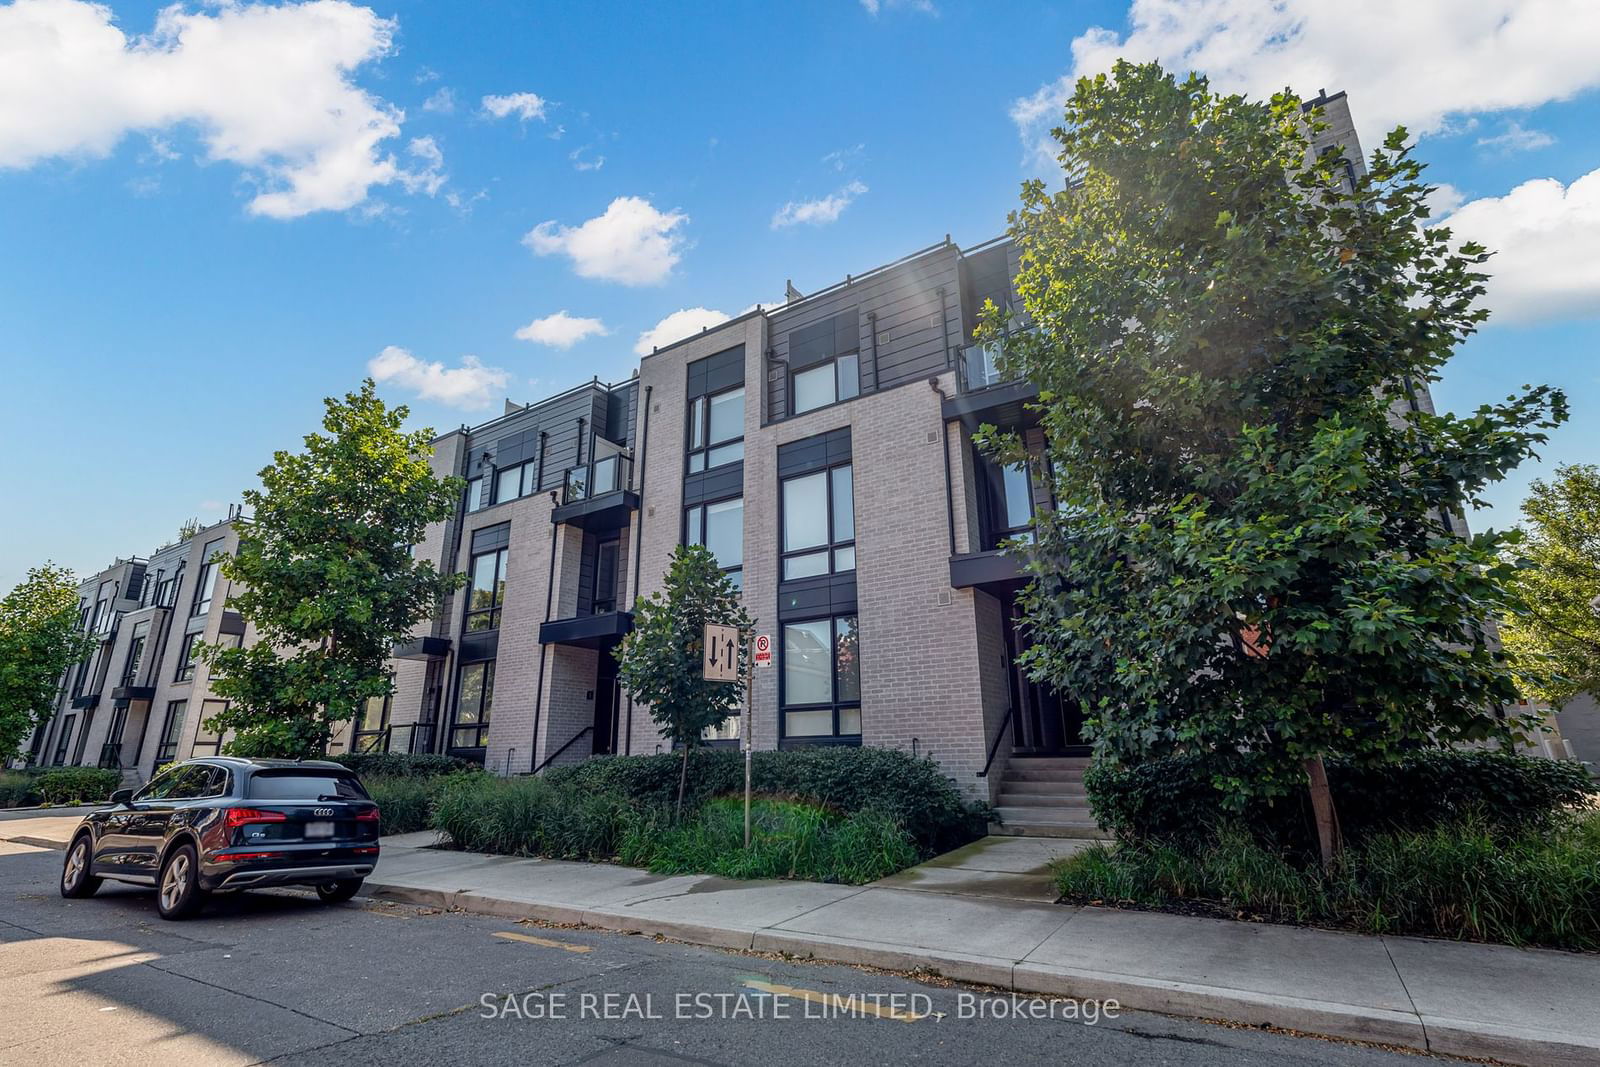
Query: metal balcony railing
{"points": [[597, 477], [979, 367]]}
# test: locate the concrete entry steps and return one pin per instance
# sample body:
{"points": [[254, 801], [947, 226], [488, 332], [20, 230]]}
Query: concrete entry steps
{"points": [[1043, 796]]}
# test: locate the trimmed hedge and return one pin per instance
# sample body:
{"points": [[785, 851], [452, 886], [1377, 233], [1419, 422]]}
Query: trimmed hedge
{"points": [[403, 764], [77, 785], [1174, 798], [911, 790]]}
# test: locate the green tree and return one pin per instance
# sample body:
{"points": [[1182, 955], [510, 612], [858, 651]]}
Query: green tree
{"points": [[1555, 639], [324, 571], [660, 661], [1250, 555], [39, 641]]}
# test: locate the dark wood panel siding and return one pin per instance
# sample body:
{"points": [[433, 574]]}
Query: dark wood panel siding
{"points": [[557, 419], [902, 334]]}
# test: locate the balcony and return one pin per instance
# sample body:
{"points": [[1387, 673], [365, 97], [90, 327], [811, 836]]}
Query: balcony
{"points": [[598, 496], [984, 393]]}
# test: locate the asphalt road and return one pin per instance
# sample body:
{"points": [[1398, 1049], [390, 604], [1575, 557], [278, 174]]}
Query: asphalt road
{"points": [[278, 977]]}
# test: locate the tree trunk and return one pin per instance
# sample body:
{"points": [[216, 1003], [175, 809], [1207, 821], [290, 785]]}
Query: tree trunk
{"points": [[683, 776], [1328, 838]]}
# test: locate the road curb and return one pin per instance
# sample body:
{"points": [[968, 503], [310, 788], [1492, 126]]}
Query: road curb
{"points": [[36, 842], [1135, 993]]}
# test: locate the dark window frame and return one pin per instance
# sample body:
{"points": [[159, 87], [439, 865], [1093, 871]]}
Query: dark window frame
{"points": [[206, 579], [360, 731], [64, 740], [834, 542], [480, 726], [135, 657], [186, 657], [839, 396], [497, 586], [699, 418], [686, 537], [171, 728], [527, 481], [599, 605], [834, 704]]}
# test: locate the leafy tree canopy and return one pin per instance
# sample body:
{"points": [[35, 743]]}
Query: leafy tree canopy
{"points": [[1251, 552], [39, 641], [324, 572], [1555, 641]]}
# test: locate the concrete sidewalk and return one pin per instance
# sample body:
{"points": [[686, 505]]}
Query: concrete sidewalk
{"points": [[1489, 1001]]}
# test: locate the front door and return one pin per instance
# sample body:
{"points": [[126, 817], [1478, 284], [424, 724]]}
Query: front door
{"points": [[1047, 722]]}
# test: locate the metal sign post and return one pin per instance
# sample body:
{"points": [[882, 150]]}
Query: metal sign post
{"points": [[760, 656]]}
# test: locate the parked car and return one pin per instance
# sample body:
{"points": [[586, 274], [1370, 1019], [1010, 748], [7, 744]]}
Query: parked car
{"points": [[222, 823]]}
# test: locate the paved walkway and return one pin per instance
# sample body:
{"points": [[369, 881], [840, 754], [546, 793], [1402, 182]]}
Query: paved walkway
{"points": [[1521, 1006]]}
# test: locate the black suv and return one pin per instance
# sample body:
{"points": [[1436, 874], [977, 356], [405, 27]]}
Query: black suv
{"points": [[221, 823]]}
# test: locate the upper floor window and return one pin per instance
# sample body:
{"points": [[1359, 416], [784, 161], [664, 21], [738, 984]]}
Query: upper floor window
{"points": [[130, 670], [720, 527], [205, 579], [474, 494], [512, 482], [819, 523], [716, 430], [826, 383], [488, 590], [186, 656]]}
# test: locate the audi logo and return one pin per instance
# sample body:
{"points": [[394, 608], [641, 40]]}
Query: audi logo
{"points": [[322, 812]]}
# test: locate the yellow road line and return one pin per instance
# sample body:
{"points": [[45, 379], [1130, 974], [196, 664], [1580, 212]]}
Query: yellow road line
{"points": [[834, 1001], [544, 941]]}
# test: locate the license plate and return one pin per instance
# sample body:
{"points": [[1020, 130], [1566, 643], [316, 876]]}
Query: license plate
{"points": [[319, 829]]}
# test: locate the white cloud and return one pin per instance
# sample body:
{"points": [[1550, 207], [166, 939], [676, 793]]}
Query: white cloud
{"points": [[677, 326], [1415, 63], [470, 387], [1543, 235], [579, 162], [524, 106], [561, 330], [268, 88], [1516, 138], [924, 7], [431, 178], [1443, 199], [631, 242], [442, 102], [818, 212], [841, 156]]}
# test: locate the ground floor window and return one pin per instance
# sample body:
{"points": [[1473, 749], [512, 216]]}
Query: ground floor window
{"points": [[167, 750], [469, 728], [64, 740], [822, 678], [372, 726]]}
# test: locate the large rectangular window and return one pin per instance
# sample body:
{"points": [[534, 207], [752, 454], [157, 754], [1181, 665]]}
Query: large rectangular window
{"points": [[171, 730], [827, 383], [205, 579], [822, 678], [512, 482], [819, 523], [716, 430], [720, 527], [130, 670], [488, 590], [64, 741], [371, 732], [469, 728], [825, 358], [186, 656]]}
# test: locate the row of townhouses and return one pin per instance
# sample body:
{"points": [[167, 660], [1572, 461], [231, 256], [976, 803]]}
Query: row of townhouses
{"points": [[822, 450]]}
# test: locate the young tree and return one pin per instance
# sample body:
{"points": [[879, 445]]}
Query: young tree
{"points": [[324, 571], [660, 662], [39, 640], [1555, 640], [1250, 555]]}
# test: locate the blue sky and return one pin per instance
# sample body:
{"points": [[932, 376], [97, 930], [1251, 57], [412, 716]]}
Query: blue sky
{"points": [[210, 222]]}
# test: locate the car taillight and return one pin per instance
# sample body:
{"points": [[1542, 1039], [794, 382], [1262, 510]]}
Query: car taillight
{"points": [[368, 816], [233, 817]]}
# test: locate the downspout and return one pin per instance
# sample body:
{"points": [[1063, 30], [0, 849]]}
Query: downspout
{"points": [[549, 596], [944, 328], [638, 545], [872, 325], [944, 446]]}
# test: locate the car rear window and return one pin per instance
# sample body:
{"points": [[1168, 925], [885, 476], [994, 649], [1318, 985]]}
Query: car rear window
{"points": [[304, 785]]}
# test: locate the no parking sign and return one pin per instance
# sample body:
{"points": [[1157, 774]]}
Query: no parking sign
{"points": [[763, 650]]}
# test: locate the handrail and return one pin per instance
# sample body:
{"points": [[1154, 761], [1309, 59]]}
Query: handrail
{"points": [[1011, 713], [551, 758]]}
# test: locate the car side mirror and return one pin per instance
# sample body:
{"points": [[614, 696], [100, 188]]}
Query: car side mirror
{"points": [[122, 797]]}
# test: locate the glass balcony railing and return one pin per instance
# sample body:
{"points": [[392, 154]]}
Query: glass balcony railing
{"points": [[980, 367], [604, 475]]}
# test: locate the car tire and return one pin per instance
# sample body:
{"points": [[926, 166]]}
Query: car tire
{"points": [[178, 893], [339, 890], [76, 881]]}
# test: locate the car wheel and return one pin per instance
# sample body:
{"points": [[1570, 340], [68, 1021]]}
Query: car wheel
{"points": [[178, 892], [338, 891], [76, 881]]}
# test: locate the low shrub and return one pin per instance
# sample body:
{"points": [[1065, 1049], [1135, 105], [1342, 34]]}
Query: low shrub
{"points": [[76, 785], [404, 764], [530, 817], [405, 804], [18, 789], [910, 790], [1176, 797], [788, 839], [1466, 880]]}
